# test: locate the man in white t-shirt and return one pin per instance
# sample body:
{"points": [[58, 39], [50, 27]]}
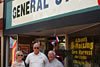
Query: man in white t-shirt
{"points": [[36, 58]]}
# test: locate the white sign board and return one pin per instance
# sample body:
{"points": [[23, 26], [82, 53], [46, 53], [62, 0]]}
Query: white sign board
{"points": [[24, 11]]}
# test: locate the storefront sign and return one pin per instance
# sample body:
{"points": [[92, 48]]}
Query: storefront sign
{"points": [[24, 11], [82, 50]]}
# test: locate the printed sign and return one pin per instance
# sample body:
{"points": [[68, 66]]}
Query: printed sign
{"points": [[82, 50], [24, 11]]}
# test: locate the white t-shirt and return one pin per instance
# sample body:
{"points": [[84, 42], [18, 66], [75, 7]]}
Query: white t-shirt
{"points": [[55, 63], [39, 60], [16, 64]]}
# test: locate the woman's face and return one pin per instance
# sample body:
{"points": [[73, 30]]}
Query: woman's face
{"points": [[19, 56]]}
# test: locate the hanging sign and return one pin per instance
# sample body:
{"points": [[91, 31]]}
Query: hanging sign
{"points": [[24, 11]]}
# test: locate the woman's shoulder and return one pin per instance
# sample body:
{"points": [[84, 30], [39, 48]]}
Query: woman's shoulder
{"points": [[14, 62]]}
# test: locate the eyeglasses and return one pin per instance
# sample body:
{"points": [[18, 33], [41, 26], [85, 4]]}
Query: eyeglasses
{"points": [[19, 55], [36, 47]]}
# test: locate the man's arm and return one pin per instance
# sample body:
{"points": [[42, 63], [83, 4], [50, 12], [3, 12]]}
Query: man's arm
{"points": [[46, 61], [27, 60]]}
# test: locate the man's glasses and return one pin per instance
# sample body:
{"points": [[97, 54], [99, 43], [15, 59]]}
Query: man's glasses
{"points": [[19, 55], [36, 47]]}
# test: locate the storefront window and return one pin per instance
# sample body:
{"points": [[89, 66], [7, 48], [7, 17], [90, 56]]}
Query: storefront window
{"points": [[84, 51], [25, 44]]}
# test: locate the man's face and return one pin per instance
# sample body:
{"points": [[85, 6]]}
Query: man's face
{"points": [[36, 49], [51, 56]]}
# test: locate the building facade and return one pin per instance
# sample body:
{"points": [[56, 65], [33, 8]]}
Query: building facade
{"points": [[42, 20]]}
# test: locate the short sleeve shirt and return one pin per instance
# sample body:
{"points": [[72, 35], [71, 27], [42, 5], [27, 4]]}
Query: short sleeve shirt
{"points": [[55, 63], [39, 60], [16, 64]]}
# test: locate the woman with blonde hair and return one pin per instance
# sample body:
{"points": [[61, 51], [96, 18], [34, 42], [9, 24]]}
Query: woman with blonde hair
{"points": [[19, 62]]}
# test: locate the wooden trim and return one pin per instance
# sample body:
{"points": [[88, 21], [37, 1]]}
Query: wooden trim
{"points": [[1, 24], [1, 1]]}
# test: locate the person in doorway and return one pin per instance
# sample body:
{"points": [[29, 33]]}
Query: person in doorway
{"points": [[19, 62], [36, 58], [53, 62]]}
